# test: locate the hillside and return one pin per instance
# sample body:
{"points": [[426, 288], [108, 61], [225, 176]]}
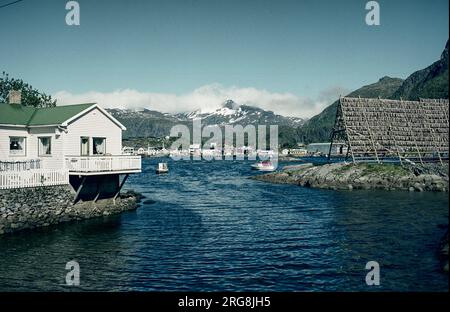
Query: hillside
{"points": [[430, 82], [144, 123], [318, 128]]}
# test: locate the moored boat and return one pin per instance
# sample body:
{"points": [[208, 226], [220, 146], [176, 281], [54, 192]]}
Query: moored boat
{"points": [[162, 168], [265, 165]]}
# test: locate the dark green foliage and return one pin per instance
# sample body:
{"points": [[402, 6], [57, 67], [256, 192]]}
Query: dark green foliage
{"points": [[144, 124], [30, 96], [139, 127], [435, 88], [287, 137], [145, 142]]}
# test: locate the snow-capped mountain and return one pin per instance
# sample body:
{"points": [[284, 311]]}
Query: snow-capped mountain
{"points": [[150, 123], [232, 113]]}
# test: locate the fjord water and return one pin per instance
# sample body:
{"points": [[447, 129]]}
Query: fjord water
{"points": [[206, 227]]}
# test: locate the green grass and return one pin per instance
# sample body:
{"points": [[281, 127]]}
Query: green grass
{"points": [[384, 169], [379, 169]]}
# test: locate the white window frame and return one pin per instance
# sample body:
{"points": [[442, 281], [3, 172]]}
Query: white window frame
{"points": [[12, 154], [93, 145], [40, 154], [88, 146]]}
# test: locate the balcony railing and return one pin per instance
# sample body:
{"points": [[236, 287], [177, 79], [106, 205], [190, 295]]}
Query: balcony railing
{"points": [[103, 164], [33, 178], [48, 172], [20, 165]]}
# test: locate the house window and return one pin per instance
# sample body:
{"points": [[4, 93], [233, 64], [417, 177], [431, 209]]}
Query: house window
{"points": [[17, 146], [99, 146], [45, 146], [84, 146]]}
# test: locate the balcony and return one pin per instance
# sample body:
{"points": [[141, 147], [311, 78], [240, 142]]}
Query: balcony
{"points": [[100, 165], [56, 171]]}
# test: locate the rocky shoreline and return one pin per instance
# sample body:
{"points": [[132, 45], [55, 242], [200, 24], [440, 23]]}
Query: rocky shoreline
{"points": [[347, 176]]}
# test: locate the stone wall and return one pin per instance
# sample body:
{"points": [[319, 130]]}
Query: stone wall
{"points": [[29, 208]]}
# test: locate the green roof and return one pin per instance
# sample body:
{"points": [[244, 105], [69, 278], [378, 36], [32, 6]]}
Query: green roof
{"points": [[16, 114], [56, 115], [13, 114]]}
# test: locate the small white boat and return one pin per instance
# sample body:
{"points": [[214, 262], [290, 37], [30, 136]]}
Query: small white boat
{"points": [[265, 165], [162, 168]]}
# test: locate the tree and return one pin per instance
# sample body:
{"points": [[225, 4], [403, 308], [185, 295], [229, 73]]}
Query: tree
{"points": [[30, 96]]}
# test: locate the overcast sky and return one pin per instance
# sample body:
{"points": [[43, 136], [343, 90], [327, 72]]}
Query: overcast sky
{"points": [[293, 57]]}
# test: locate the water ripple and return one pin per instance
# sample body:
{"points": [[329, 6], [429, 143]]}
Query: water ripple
{"points": [[206, 226]]}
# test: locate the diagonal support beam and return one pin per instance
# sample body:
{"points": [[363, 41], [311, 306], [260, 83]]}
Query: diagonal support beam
{"points": [[77, 194], [120, 188], [341, 113]]}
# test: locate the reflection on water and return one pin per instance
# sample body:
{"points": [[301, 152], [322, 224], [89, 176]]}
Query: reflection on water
{"points": [[206, 226]]}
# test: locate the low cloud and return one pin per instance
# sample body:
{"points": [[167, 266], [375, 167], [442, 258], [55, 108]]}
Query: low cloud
{"points": [[206, 99]]}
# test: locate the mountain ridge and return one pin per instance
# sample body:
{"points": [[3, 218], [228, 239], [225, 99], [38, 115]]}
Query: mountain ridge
{"points": [[430, 82], [150, 123]]}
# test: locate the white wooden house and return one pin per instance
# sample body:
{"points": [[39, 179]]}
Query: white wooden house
{"points": [[49, 146]]}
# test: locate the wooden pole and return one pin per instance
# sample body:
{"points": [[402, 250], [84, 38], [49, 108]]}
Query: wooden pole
{"points": [[370, 134], [76, 197], [349, 145], [120, 188]]}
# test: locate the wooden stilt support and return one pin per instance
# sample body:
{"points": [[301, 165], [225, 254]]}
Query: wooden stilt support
{"points": [[77, 195], [347, 153], [331, 146], [98, 192], [411, 130], [344, 129], [96, 196], [120, 188], [333, 133], [396, 148], [370, 134]]}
